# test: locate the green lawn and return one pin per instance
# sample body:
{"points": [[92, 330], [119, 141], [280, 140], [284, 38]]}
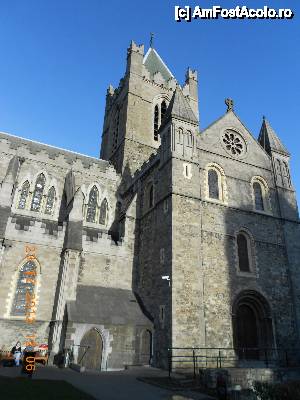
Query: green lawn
{"points": [[31, 389]]}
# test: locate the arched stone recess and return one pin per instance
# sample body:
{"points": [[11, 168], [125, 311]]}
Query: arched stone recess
{"points": [[252, 323], [146, 347], [13, 286], [265, 194], [222, 185], [107, 338], [252, 253]]}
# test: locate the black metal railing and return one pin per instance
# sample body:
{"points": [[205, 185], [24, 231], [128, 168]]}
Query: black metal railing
{"points": [[194, 358]]}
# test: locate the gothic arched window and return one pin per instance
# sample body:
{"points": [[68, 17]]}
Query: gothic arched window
{"points": [[163, 109], [103, 212], [92, 205], [243, 252], [258, 196], [278, 172], [38, 193], [286, 174], [213, 184], [189, 138], [50, 201], [24, 195], [156, 122], [180, 136], [151, 196], [25, 286]]}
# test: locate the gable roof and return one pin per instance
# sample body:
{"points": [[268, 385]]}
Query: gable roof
{"points": [[269, 140], [179, 107], [154, 64]]}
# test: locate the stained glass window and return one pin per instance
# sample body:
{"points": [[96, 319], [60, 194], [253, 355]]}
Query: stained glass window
{"points": [[24, 195], [243, 253], [50, 201], [92, 205], [258, 197], [38, 193], [25, 284], [156, 116], [213, 184], [103, 212]]}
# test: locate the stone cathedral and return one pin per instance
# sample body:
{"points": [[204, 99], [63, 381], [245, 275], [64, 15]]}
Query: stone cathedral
{"points": [[174, 237]]}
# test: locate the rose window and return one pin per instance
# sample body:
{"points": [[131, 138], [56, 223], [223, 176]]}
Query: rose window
{"points": [[233, 143]]}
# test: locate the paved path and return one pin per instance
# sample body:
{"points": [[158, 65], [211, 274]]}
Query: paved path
{"points": [[116, 385]]}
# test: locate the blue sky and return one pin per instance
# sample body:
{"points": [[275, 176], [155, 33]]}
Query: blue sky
{"points": [[58, 58]]}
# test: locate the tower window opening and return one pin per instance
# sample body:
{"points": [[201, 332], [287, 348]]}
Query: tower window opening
{"points": [[163, 110], [156, 122]]}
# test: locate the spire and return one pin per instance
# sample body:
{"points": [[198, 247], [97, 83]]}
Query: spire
{"points": [[179, 107], [151, 39], [269, 140], [154, 63]]}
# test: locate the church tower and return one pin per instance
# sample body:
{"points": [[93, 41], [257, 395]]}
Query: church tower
{"points": [[280, 161], [136, 109], [288, 209]]}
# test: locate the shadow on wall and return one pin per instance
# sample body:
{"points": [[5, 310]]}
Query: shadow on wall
{"points": [[254, 309]]}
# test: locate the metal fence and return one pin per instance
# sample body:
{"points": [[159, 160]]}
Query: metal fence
{"points": [[194, 358]]}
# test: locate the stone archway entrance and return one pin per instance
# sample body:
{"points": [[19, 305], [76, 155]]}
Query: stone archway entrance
{"points": [[145, 347], [252, 326], [90, 351]]}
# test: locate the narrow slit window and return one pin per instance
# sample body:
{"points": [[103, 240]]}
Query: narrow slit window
{"points": [[243, 253], [156, 122]]}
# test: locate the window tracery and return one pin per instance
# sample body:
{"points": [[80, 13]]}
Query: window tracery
{"points": [[233, 143], [38, 193], [24, 195], [24, 285], [50, 201], [92, 205]]}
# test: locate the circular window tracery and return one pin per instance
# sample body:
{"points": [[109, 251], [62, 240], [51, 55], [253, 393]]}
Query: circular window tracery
{"points": [[233, 143]]}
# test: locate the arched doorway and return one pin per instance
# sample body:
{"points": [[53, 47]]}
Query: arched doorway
{"points": [[90, 351], [146, 347], [252, 326]]}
